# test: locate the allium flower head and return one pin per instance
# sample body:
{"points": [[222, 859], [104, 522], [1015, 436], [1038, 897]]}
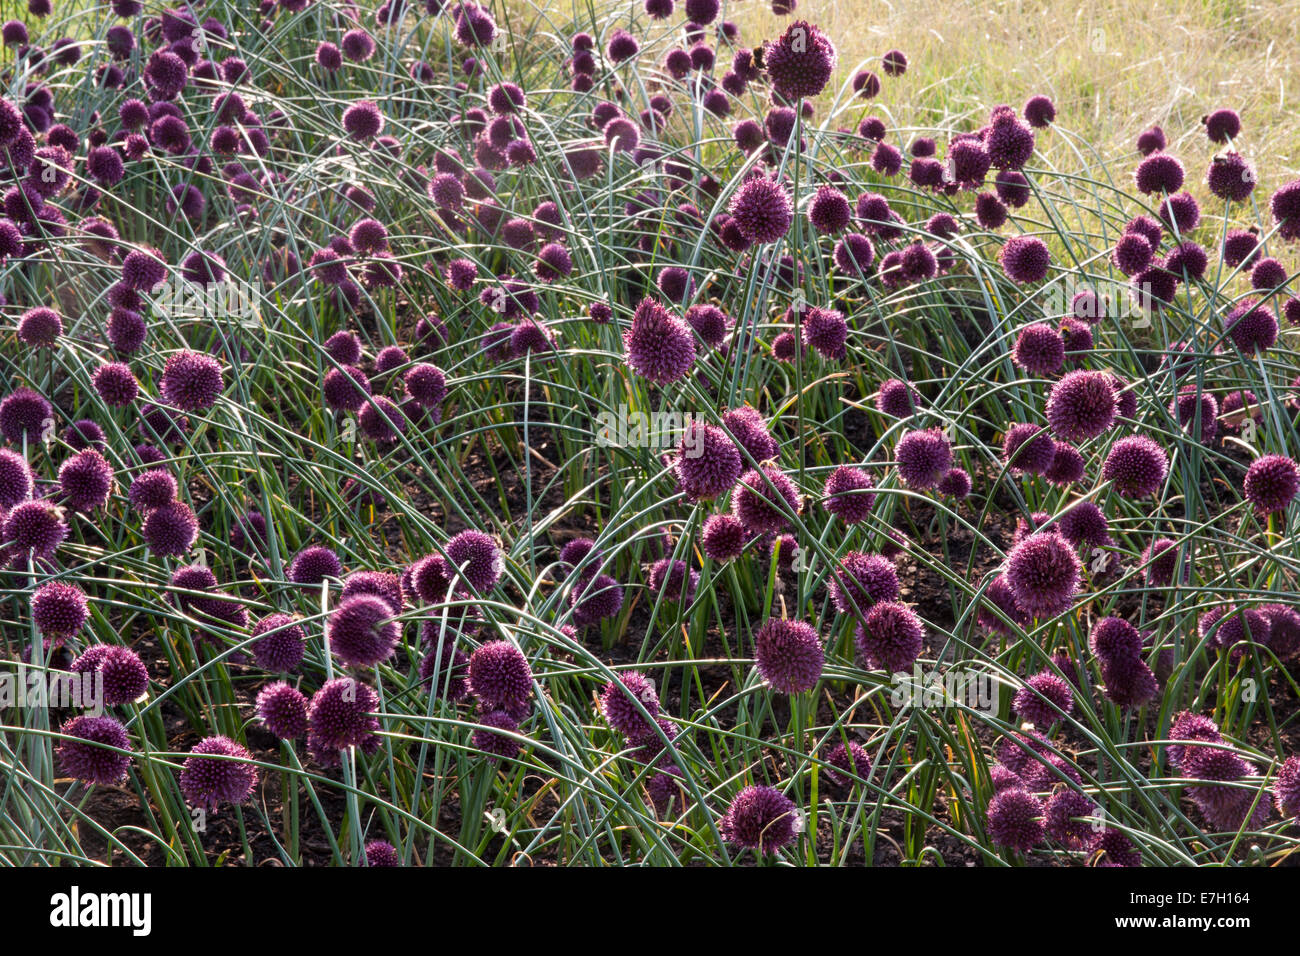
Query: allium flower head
{"points": [[1271, 482], [847, 494], [619, 708], [673, 580], [342, 714], [1025, 259], [761, 209], [789, 655], [282, 709], [750, 432], [890, 636], [826, 331], [278, 643], [1136, 465], [313, 564], [1191, 404], [86, 480], [659, 345], [1028, 449], [1043, 572], [861, 581], [218, 770], [16, 481], [1015, 819], [24, 412], [82, 752], [33, 527], [759, 818], [1251, 326], [191, 381], [59, 609], [1039, 349], [723, 537], [499, 675], [799, 63], [1042, 698], [362, 630], [1159, 173], [477, 558], [923, 458], [708, 464], [759, 499]]}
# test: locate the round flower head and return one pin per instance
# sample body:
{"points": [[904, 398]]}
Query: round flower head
{"points": [[829, 210], [1025, 259], [341, 715], [853, 255], [847, 494], [709, 322], [1285, 205], [477, 559], [1081, 405], [16, 481], [86, 480], [764, 498], [1159, 173], [1015, 819], [1062, 818], [1028, 449], [346, 388], [1136, 465], [362, 630], [1191, 404], [1231, 177], [1042, 699], [659, 345], [380, 584], [24, 412], [923, 458], [381, 852], [39, 327], [1222, 125], [1039, 111], [862, 580], [34, 527], [1009, 142], [760, 818], [59, 610], [83, 755], [1271, 482], [191, 381], [1187, 261], [890, 636], [1044, 573], [826, 331], [723, 537], [1268, 274], [1039, 349], [999, 598], [622, 46], [1132, 253], [1286, 788], [674, 580], [750, 432], [618, 703], [218, 770], [897, 399], [1252, 327], [1067, 465], [499, 675], [282, 710], [955, 484], [363, 120], [313, 564], [279, 642], [170, 529], [116, 384], [708, 464], [1240, 248], [595, 598], [761, 210], [800, 62], [789, 655], [849, 761]]}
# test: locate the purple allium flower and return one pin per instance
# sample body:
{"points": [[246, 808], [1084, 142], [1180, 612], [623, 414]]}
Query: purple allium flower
{"points": [[826, 331], [1113, 848], [1044, 574], [618, 703], [829, 210], [35, 527], [1039, 349], [708, 464], [622, 46], [363, 120], [1187, 260], [489, 737], [191, 381], [861, 581], [709, 322], [759, 818], [595, 598], [444, 671], [968, 162], [923, 458], [897, 398], [1240, 247], [1081, 405], [23, 411], [1061, 819], [673, 580], [1271, 482], [1231, 177], [1039, 111], [850, 760], [1128, 681], [886, 159], [86, 480], [890, 636], [313, 564], [759, 499], [990, 212], [1025, 259], [116, 384], [1028, 449], [346, 388], [1132, 253], [1189, 404], [1222, 125], [723, 537], [1042, 699], [16, 481], [789, 655], [659, 345], [1286, 788], [1136, 465], [278, 644], [40, 327], [799, 63], [1182, 211], [1159, 173], [1285, 205], [1267, 275], [853, 254], [362, 630], [59, 610], [170, 529], [380, 420], [1009, 142], [381, 852], [1251, 326], [390, 358], [1015, 819], [499, 675], [282, 710], [847, 495], [750, 432], [477, 558], [761, 210], [1160, 561], [341, 715], [82, 752], [207, 778], [380, 584], [125, 678], [1190, 727]]}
